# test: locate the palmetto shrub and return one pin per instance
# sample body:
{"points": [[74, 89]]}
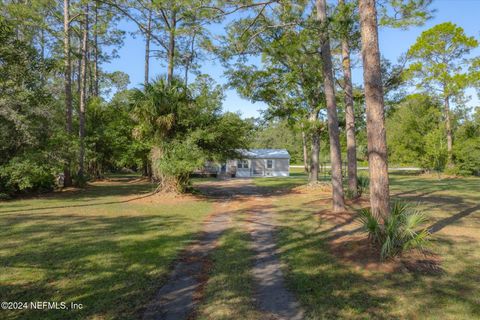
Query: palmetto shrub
{"points": [[401, 231], [363, 182]]}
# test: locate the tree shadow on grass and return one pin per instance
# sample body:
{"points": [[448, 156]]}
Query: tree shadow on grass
{"points": [[112, 265], [326, 288], [241, 189], [86, 197], [439, 225], [330, 288]]}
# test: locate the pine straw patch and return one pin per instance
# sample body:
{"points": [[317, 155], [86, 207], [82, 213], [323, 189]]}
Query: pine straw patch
{"points": [[351, 246], [358, 252], [166, 198], [322, 186]]}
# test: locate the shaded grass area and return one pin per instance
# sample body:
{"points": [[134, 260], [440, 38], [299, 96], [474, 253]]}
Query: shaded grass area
{"points": [[96, 247], [330, 288], [229, 290]]}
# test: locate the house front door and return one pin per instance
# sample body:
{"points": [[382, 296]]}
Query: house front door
{"points": [[258, 168]]}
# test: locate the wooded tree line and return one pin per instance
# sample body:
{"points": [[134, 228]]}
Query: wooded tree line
{"points": [[57, 112]]}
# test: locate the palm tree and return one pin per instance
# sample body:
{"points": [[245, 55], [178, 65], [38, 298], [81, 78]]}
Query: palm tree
{"points": [[157, 110]]}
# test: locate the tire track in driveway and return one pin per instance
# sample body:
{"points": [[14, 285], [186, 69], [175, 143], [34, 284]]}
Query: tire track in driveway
{"points": [[177, 298], [272, 294]]}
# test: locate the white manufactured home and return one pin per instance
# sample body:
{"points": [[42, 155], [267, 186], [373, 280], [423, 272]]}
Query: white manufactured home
{"points": [[260, 163]]}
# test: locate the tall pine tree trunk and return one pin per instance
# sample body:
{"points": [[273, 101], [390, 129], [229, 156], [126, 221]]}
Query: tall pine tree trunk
{"points": [[305, 151], [96, 89], [315, 148], [329, 87], [148, 34], [349, 116], [68, 84], [314, 157], [83, 97], [190, 58], [376, 135], [171, 49]]}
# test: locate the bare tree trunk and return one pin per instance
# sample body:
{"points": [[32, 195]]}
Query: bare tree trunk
{"points": [[314, 157], [68, 84], [190, 58], [79, 64], [83, 97], [147, 47], [90, 73], [171, 49], [315, 153], [305, 151], [349, 116], [376, 135], [329, 87], [96, 90], [448, 127]]}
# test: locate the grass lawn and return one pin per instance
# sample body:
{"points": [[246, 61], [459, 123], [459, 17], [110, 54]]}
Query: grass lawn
{"points": [[329, 287], [94, 247], [110, 247]]}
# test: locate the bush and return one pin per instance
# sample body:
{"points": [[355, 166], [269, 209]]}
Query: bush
{"points": [[363, 182], [26, 175], [350, 194], [4, 196], [401, 230]]}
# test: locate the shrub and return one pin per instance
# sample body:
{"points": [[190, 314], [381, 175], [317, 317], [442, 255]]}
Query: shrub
{"points": [[399, 232], [4, 196], [350, 194], [26, 175], [363, 182]]}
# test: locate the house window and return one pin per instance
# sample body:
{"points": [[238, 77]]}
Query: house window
{"points": [[269, 164], [242, 164]]}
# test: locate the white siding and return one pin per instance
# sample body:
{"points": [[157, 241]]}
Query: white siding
{"points": [[258, 168]]}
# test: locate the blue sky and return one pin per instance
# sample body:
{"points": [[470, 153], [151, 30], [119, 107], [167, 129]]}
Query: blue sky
{"points": [[393, 42]]}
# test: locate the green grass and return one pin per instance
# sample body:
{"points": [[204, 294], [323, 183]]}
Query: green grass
{"points": [[229, 290], [297, 178], [98, 248], [331, 289], [92, 247]]}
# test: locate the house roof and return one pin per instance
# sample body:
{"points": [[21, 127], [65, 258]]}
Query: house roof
{"points": [[265, 153]]}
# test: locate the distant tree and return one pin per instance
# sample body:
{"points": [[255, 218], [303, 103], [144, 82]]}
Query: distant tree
{"points": [[348, 34], [329, 87], [440, 64], [467, 148], [415, 134], [404, 13], [279, 134]]}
